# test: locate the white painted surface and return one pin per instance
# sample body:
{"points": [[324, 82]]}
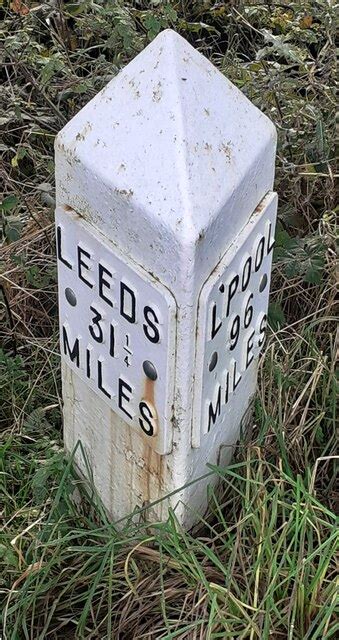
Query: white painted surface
{"points": [[168, 163]]}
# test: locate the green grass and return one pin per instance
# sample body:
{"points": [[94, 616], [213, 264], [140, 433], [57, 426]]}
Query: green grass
{"points": [[262, 564]]}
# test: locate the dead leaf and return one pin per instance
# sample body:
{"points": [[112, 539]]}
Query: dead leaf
{"points": [[306, 22], [19, 7], [36, 566]]}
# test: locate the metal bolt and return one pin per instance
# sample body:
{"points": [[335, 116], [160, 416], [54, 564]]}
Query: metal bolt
{"points": [[70, 296], [213, 361], [149, 370], [263, 282]]}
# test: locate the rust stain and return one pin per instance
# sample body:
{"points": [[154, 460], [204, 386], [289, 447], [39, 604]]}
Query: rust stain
{"points": [[149, 391], [259, 208], [148, 468], [148, 397], [152, 474], [111, 453], [68, 209]]}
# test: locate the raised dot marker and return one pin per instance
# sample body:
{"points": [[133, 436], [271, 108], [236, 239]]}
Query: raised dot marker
{"points": [[149, 370], [213, 361], [70, 296], [263, 282]]}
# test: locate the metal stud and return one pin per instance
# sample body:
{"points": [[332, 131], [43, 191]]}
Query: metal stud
{"points": [[70, 296], [263, 282], [213, 361], [149, 370]]}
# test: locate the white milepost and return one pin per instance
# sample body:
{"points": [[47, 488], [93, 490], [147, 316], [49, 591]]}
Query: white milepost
{"points": [[165, 223]]}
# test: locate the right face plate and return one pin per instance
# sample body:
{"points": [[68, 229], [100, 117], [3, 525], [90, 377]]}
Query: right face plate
{"points": [[232, 318]]}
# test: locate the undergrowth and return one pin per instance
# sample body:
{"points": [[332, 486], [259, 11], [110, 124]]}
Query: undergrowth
{"points": [[262, 562]]}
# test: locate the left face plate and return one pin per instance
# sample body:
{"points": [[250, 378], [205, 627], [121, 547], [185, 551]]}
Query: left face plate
{"points": [[117, 329]]}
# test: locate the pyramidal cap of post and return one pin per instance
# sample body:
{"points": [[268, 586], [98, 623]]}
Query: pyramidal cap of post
{"points": [[169, 148]]}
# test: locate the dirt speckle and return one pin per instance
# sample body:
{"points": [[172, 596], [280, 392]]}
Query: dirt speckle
{"points": [[135, 90], [157, 93], [127, 193], [226, 150], [259, 208], [83, 133], [200, 236]]}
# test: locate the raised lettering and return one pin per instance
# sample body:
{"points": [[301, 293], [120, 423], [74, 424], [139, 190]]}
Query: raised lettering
{"points": [[248, 314], [95, 328], [214, 412], [59, 249], [151, 331], [122, 387], [236, 376], [270, 238], [83, 265], [246, 273], [227, 387], [234, 332], [111, 340], [100, 382], [148, 420], [103, 283], [262, 331], [231, 291], [88, 361], [74, 352], [249, 353], [215, 327], [259, 254], [127, 303]]}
